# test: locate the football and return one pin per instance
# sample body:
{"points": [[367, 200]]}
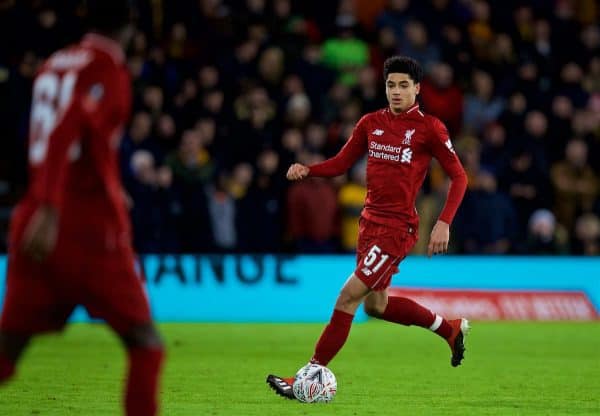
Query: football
{"points": [[315, 383]]}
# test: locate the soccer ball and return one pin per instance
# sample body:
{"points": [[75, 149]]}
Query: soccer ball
{"points": [[314, 383]]}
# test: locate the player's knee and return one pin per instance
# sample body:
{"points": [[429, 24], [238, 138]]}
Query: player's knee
{"points": [[143, 336], [347, 302], [373, 310]]}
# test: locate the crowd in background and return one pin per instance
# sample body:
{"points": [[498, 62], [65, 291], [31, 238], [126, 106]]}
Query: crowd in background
{"points": [[228, 93]]}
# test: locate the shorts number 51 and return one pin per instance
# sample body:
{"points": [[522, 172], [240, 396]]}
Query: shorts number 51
{"points": [[373, 255]]}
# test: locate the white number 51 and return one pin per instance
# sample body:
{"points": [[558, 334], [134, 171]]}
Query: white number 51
{"points": [[372, 256]]}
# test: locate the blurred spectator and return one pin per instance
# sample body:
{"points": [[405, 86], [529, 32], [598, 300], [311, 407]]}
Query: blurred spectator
{"points": [[255, 126], [345, 53], [260, 217], [526, 185], [271, 66], [298, 111], [501, 61], [559, 127], [312, 213], [317, 77], [415, 43], [513, 116], [152, 205], [575, 183], [138, 137], [481, 106], [222, 211], [191, 163], [535, 139], [395, 16], [591, 81], [351, 199], [192, 170], [587, 235], [480, 29], [529, 83], [368, 90], [486, 223], [494, 151], [442, 98], [570, 85], [291, 29], [544, 235]]}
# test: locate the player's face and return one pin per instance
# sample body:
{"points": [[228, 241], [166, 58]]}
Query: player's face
{"points": [[401, 91]]}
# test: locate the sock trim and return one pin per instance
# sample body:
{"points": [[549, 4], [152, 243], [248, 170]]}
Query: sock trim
{"points": [[436, 323]]}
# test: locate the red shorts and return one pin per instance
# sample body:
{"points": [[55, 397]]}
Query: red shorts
{"points": [[41, 296], [380, 249]]}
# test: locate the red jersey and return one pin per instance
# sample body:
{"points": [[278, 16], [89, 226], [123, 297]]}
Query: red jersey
{"points": [[81, 102], [399, 148]]}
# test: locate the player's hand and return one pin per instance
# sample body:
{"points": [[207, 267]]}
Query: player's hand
{"points": [[438, 241], [297, 171], [40, 234]]}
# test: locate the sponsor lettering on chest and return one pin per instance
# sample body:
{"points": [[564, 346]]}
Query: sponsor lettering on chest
{"points": [[385, 149]]}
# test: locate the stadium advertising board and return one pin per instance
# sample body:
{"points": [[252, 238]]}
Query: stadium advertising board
{"points": [[280, 288], [496, 305]]}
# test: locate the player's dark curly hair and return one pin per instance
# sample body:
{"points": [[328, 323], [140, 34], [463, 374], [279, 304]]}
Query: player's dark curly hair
{"points": [[108, 16], [403, 65]]}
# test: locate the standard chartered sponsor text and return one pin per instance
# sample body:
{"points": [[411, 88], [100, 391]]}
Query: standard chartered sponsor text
{"points": [[389, 152]]}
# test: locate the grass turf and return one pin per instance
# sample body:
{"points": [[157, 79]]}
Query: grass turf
{"points": [[384, 369]]}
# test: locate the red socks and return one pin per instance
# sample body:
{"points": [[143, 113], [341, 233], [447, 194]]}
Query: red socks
{"points": [[399, 310], [7, 369], [407, 312], [141, 395], [333, 337]]}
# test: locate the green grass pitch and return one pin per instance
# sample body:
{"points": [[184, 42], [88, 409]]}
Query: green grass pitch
{"points": [[384, 369]]}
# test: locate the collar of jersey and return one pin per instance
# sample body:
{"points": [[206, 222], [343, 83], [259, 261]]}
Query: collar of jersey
{"points": [[411, 110], [105, 44]]}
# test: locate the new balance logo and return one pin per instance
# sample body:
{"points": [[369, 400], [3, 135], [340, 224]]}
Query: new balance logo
{"points": [[377, 132], [408, 136], [449, 146], [406, 155], [366, 271]]}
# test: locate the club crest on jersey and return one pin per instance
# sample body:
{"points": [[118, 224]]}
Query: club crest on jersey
{"points": [[377, 132], [408, 137]]}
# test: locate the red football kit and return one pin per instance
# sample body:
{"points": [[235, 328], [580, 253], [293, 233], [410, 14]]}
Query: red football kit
{"points": [[81, 102], [399, 148]]}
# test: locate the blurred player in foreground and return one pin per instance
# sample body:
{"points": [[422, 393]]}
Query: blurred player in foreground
{"points": [[70, 240], [400, 142]]}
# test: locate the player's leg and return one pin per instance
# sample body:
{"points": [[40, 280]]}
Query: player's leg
{"points": [[380, 263], [114, 293], [32, 305], [11, 347], [334, 335], [336, 332], [145, 352], [404, 311]]}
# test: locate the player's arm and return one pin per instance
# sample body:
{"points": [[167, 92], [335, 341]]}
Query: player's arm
{"points": [[354, 149], [442, 150]]}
